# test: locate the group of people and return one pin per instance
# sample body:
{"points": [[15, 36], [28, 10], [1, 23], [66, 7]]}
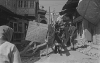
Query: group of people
{"points": [[65, 33]]}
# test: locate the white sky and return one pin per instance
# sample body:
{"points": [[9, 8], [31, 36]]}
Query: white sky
{"points": [[54, 4]]}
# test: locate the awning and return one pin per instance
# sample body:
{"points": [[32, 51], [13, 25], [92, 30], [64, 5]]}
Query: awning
{"points": [[8, 12], [68, 11], [70, 4], [12, 14], [90, 10]]}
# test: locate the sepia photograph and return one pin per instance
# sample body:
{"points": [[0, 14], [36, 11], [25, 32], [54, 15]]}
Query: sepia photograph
{"points": [[49, 31]]}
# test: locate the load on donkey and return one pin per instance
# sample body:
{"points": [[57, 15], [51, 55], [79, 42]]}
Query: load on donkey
{"points": [[40, 37]]}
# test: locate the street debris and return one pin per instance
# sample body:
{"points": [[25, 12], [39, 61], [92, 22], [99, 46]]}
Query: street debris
{"points": [[90, 51]]}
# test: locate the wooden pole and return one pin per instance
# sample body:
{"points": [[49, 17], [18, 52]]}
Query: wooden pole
{"points": [[49, 14]]}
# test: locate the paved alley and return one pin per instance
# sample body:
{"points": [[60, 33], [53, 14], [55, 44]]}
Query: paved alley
{"points": [[74, 57]]}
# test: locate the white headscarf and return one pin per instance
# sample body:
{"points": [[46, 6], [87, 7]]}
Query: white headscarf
{"points": [[6, 33]]}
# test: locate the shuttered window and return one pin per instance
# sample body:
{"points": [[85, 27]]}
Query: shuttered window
{"points": [[20, 4], [31, 4], [25, 4]]}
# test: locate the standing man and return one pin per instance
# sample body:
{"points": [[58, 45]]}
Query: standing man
{"points": [[73, 34]]}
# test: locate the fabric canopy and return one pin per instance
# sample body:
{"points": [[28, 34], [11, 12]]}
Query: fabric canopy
{"points": [[90, 10], [70, 4]]}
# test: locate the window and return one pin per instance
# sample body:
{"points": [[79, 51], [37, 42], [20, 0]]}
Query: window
{"points": [[26, 4], [14, 5], [20, 3], [32, 4], [18, 31], [11, 24], [19, 27], [15, 27], [26, 26], [17, 36], [7, 2]]}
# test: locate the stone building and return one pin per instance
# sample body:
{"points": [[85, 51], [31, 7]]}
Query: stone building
{"points": [[17, 14]]}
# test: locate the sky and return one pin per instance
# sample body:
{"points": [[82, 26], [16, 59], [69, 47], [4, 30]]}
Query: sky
{"points": [[54, 4]]}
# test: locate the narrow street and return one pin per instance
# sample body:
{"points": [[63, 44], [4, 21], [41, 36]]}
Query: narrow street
{"points": [[38, 31], [74, 57]]}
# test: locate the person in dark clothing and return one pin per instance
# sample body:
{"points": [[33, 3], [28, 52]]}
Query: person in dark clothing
{"points": [[59, 44], [58, 34], [67, 36], [57, 39], [73, 34]]}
